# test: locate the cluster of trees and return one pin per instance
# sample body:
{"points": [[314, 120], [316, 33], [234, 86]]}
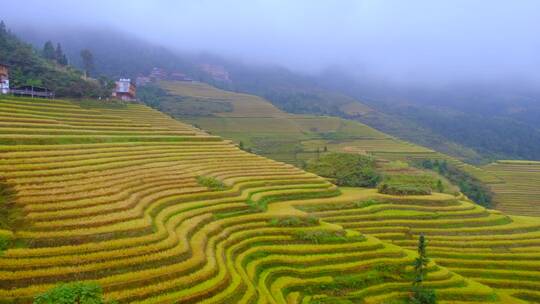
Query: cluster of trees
{"points": [[470, 186], [356, 170], [403, 189], [57, 55], [353, 170], [41, 68], [87, 61], [493, 135]]}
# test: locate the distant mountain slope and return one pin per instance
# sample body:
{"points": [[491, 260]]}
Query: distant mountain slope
{"points": [[301, 94], [498, 119], [282, 136], [267, 130]]}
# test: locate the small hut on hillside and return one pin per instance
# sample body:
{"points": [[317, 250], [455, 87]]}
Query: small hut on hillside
{"points": [[125, 90], [4, 79]]}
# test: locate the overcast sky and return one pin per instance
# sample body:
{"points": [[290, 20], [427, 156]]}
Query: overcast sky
{"points": [[421, 40]]}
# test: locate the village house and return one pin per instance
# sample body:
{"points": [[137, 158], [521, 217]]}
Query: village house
{"points": [[217, 72], [125, 90], [4, 79], [158, 74]]}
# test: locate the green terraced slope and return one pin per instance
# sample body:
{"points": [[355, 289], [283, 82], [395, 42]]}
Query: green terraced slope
{"points": [[519, 189], [112, 193], [288, 137]]}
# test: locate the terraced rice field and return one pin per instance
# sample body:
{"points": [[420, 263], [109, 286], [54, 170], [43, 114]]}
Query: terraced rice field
{"points": [[484, 176], [296, 138], [112, 194], [486, 246], [519, 191]]}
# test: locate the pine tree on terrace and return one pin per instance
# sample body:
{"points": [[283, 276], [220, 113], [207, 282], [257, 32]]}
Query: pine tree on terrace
{"points": [[421, 295]]}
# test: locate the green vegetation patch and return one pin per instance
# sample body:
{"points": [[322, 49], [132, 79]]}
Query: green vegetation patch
{"points": [[33, 68], [468, 184], [294, 221], [339, 206], [77, 292], [353, 170], [328, 236], [403, 189], [211, 183]]}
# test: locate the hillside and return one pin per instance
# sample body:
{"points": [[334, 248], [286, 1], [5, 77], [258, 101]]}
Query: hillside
{"points": [[157, 211], [288, 137], [334, 93], [29, 67], [270, 131], [496, 119], [477, 122], [296, 138]]}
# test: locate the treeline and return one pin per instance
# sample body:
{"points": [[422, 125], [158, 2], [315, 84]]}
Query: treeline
{"points": [[47, 68], [356, 170], [50, 53], [467, 184], [494, 136]]}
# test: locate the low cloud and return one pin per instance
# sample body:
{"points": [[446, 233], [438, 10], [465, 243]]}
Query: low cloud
{"points": [[408, 41]]}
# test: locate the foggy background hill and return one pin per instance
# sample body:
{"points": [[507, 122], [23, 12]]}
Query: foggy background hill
{"points": [[461, 77]]}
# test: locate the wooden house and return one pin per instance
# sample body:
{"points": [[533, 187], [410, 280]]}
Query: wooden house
{"points": [[125, 90], [4, 79]]}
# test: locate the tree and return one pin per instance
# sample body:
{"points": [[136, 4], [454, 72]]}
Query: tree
{"points": [[421, 262], [48, 51], [3, 29], [73, 293], [88, 61], [59, 55], [440, 186], [420, 294]]}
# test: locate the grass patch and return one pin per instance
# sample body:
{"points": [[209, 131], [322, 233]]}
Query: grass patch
{"points": [[403, 189], [327, 237], [339, 206], [294, 221], [211, 183]]}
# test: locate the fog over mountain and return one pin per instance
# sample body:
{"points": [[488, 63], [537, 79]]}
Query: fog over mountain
{"points": [[461, 77], [421, 42]]}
